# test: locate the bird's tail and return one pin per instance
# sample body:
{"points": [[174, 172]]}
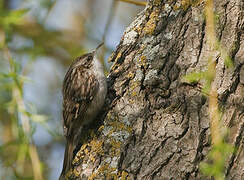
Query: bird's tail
{"points": [[68, 157]]}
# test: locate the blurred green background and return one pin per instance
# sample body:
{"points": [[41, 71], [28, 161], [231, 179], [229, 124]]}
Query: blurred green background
{"points": [[38, 41]]}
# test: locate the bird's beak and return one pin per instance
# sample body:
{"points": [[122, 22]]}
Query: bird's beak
{"points": [[100, 45]]}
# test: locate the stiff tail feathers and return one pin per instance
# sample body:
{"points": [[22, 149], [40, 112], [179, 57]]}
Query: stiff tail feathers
{"points": [[68, 157]]}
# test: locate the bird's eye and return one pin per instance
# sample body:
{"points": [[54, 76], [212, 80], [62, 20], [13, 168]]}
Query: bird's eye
{"points": [[89, 58]]}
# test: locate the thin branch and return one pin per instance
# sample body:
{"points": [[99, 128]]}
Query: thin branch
{"points": [[110, 18], [17, 95], [35, 162], [138, 3], [108, 23]]}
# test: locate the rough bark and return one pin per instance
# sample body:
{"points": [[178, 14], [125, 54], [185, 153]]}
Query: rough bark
{"points": [[156, 126]]}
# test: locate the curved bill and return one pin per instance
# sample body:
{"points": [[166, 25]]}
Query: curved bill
{"points": [[100, 45]]}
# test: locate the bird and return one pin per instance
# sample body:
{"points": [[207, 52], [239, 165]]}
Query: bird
{"points": [[84, 91]]}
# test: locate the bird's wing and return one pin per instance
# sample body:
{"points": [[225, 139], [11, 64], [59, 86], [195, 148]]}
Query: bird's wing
{"points": [[79, 89]]}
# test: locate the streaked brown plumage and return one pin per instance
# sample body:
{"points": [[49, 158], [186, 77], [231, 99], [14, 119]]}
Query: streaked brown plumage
{"points": [[84, 91]]}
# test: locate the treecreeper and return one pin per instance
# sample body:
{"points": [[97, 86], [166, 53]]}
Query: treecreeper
{"points": [[84, 91]]}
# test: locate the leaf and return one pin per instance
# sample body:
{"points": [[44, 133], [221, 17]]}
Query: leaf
{"points": [[39, 118], [18, 13], [217, 166], [193, 77], [13, 17], [228, 62]]}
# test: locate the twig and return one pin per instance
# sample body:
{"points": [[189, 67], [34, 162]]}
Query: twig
{"points": [[17, 95], [108, 23], [138, 3]]}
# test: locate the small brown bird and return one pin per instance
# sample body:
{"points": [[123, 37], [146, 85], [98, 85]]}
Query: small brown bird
{"points": [[84, 91]]}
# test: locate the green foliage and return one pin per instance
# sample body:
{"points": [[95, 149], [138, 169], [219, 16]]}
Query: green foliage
{"points": [[8, 19], [14, 17], [221, 150], [228, 62], [216, 168], [194, 77], [17, 116]]}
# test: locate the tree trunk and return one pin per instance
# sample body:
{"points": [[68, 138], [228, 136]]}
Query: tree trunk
{"points": [[155, 125]]}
